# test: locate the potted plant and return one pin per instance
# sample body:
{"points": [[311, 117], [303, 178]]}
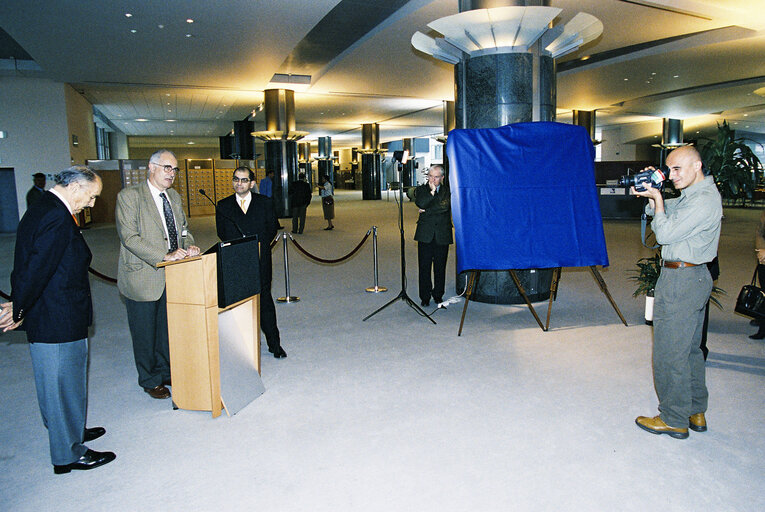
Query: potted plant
{"points": [[647, 273], [735, 167]]}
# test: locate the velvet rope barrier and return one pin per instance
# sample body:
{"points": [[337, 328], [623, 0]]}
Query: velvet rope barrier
{"points": [[337, 260], [102, 276]]}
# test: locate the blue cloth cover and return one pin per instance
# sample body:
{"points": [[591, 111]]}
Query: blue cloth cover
{"points": [[524, 196]]}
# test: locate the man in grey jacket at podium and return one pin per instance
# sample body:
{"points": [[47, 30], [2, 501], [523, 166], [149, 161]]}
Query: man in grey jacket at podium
{"points": [[152, 228]]}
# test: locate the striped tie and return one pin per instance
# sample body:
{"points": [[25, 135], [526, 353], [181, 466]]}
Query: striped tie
{"points": [[172, 233]]}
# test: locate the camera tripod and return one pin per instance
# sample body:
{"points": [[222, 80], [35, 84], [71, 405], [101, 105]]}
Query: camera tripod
{"points": [[402, 294]]}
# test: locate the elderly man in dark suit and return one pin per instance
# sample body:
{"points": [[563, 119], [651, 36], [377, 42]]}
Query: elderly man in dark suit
{"points": [[152, 228], [245, 213], [50, 295], [433, 234]]}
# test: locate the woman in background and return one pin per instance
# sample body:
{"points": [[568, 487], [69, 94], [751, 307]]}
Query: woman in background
{"points": [[327, 201]]}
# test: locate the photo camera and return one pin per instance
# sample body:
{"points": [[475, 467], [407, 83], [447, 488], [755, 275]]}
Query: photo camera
{"points": [[642, 180]]}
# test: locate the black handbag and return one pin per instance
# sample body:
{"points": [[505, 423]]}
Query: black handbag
{"points": [[751, 300]]}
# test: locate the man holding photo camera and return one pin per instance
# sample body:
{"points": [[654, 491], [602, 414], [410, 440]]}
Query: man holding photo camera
{"points": [[688, 230]]}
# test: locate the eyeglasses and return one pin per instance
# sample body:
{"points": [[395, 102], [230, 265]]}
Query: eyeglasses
{"points": [[241, 180], [168, 168]]}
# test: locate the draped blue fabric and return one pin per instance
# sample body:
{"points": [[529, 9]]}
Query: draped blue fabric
{"points": [[524, 196]]}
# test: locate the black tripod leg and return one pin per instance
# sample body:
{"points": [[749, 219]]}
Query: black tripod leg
{"points": [[417, 308], [394, 299]]}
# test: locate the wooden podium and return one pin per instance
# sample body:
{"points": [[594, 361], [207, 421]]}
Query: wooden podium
{"points": [[214, 352]]}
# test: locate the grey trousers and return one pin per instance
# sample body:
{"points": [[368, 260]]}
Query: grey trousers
{"points": [[60, 371], [678, 363]]}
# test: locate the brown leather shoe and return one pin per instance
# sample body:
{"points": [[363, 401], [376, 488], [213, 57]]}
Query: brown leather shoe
{"points": [[697, 422], [656, 425], [158, 392]]}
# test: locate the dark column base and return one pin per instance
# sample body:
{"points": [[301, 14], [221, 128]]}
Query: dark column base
{"points": [[497, 287]]}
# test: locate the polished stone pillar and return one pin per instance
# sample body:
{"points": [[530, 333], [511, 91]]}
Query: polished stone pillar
{"points": [[371, 162], [281, 151], [672, 132], [495, 90], [304, 161], [325, 165], [585, 119]]}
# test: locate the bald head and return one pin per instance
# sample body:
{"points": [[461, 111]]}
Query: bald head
{"points": [[685, 167]]}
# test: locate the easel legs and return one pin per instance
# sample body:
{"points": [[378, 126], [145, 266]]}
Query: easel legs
{"points": [[604, 289], [473, 279], [471, 283]]}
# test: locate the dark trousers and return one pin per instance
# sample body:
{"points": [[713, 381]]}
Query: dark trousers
{"points": [[60, 371], [298, 218], [431, 255], [268, 317], [148, 328]]}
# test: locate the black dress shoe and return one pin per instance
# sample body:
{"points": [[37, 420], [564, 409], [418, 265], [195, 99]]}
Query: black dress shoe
{"points": [[93, 433], [158, 392], [425, 303], [759, 335], [438, 300], [278, 352], [91, 459]]}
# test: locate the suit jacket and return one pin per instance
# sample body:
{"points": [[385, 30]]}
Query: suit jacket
{"points": [[260, 220], [300, 193], [49, 283], [435, 223], [34, 195], [143, 244]]}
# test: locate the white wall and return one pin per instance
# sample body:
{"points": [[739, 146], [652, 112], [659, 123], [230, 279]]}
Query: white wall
{"points": [[33, 113]]}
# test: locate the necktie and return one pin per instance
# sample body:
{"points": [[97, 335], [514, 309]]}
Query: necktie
{"points": [[172, 234], [245, 211]]}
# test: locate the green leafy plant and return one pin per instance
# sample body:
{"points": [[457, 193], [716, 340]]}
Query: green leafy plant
{"points": [[735, 167], [647, 274]]}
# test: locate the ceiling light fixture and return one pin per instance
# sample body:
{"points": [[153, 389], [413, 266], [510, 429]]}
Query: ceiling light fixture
{"points": [[128, 15], [160, 26], [189, 20], [133, 31], [141, 120]]}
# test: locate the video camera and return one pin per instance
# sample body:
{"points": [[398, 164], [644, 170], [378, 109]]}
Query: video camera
{"points": [[654, 178]]}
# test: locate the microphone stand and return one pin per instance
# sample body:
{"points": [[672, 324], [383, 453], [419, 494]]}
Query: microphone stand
{"points": [[402, 294], [202, 191]]}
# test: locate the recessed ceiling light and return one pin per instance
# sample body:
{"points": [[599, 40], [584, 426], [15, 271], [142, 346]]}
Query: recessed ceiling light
{"points": [[170, 120], [191, 142], [167, 94], [626, 79], [653, 74], [128, 15], [169, 110], [141, 120], [189, 35], [189, 20], [675, 76], [133, 31], [746, 115], [746, 127], [160, 26]]}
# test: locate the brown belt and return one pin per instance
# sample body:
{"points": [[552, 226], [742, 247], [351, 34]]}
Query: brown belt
{"points": [[678, 264]]}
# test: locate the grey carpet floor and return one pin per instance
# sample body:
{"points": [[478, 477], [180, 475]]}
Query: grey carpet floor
{"points": [[397, 414]]}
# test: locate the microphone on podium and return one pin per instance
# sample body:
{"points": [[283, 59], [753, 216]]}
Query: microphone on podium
{"points": [[222, 214]]}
